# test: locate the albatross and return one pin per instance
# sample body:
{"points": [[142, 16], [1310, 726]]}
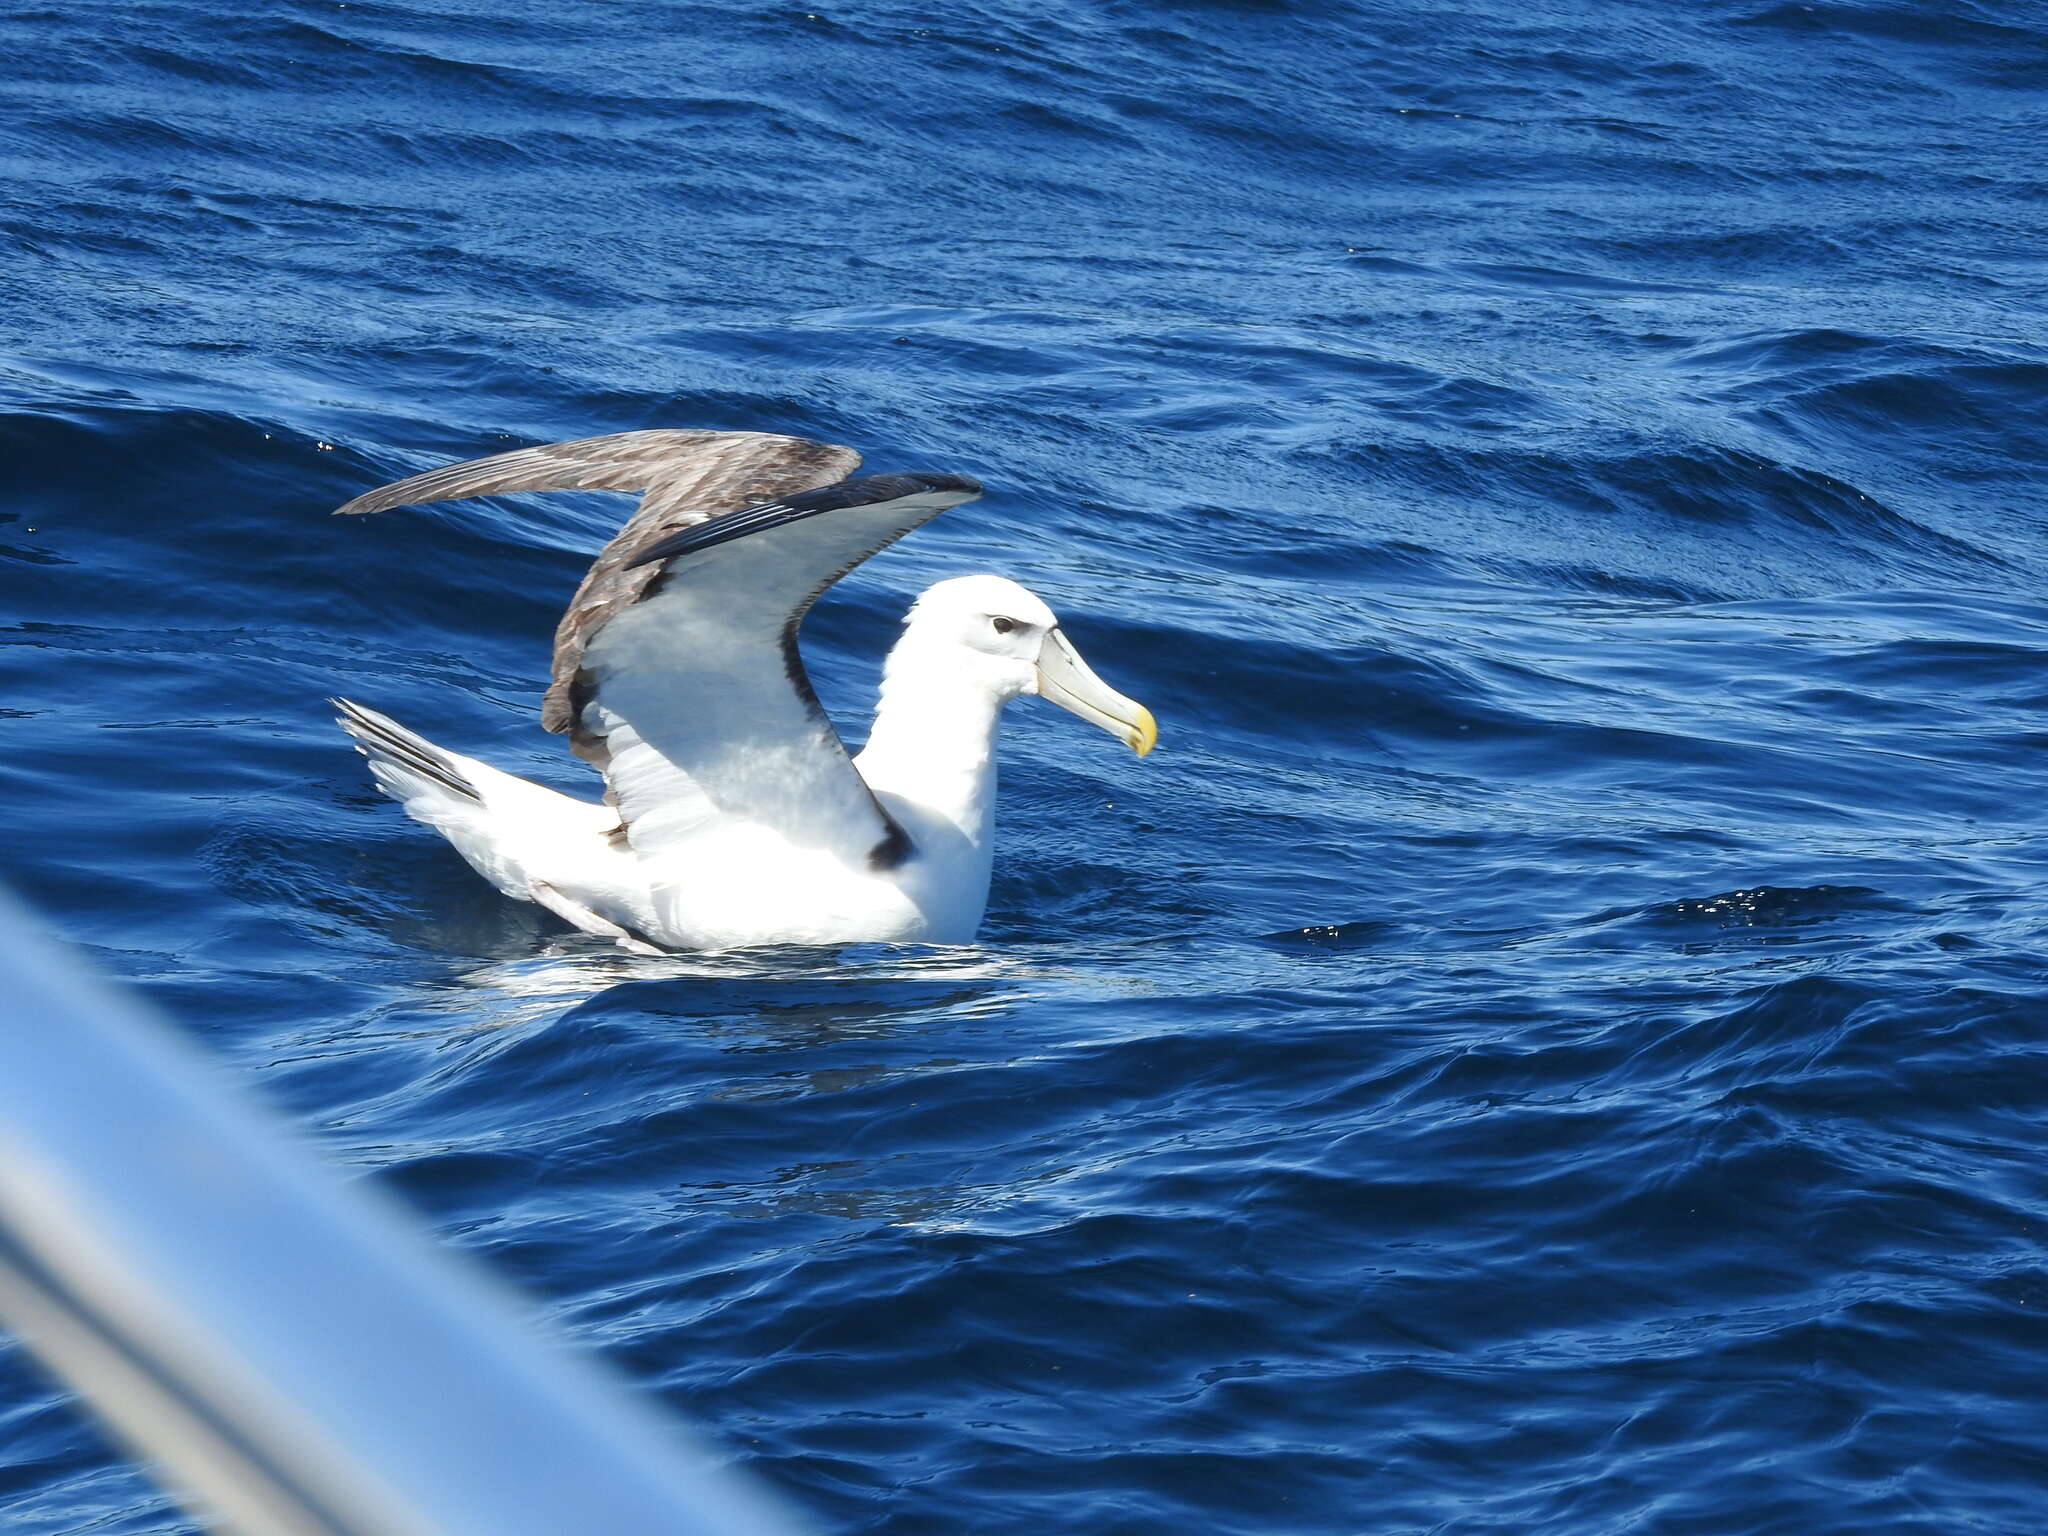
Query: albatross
{"points": [[732, 813]]}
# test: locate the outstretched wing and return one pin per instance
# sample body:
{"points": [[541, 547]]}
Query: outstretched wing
{"points": [[695, 693], [686, 476]]}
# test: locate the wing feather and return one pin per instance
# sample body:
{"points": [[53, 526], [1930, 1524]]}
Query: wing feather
{"points": [[685, 475], [698, 690]]}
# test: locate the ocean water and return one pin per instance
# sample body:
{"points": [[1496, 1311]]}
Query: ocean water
{"points": [[1554, 1040]]}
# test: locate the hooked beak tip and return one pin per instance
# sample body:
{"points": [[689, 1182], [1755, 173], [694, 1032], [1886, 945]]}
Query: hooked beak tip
{"points": [[1144, 734]]}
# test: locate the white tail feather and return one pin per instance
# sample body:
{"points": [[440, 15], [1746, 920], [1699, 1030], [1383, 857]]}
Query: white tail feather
{"points": [[531, 842]]}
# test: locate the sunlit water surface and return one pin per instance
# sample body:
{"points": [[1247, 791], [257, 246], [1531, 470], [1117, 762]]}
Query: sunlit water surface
{"points": [[1553, 1040]]}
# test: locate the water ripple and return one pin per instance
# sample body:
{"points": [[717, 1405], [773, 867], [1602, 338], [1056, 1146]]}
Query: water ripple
{"points": [[1550, 1042]]}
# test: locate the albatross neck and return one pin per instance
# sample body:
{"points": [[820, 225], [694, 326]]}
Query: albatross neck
{"points": [[934, 739]]}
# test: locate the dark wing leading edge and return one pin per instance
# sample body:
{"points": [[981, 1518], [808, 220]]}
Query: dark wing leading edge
{"points": [[686, 476], [695, 695]]}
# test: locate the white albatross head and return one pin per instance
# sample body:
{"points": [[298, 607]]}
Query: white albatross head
{"points": [[1004, 637]]}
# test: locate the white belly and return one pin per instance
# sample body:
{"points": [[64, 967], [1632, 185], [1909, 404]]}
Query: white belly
{"points": [[743, 884]]}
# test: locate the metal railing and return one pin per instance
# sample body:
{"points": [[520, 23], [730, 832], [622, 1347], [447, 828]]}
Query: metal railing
{"points": [[294, 1351]]}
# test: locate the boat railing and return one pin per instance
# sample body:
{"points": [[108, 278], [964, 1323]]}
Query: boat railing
{"points": [[292, 1351]]}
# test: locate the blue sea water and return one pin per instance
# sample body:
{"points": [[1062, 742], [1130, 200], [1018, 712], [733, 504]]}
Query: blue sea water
{"points": [[1553, 1042]]}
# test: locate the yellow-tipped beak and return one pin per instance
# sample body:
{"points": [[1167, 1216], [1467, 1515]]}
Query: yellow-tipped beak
{"points": [[1067, 680], [1144, 734]]}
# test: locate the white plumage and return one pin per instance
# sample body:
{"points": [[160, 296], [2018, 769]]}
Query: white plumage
{"points": [[732, 812]]}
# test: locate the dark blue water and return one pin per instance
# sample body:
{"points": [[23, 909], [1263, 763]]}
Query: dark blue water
{"points": [[1553, 1042]]}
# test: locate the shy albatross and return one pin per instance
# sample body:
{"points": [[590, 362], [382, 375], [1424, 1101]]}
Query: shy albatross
{"points": [[732, 813]]}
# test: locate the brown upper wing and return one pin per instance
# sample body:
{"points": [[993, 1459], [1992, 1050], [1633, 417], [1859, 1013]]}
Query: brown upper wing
{"points": [[685, 475]]}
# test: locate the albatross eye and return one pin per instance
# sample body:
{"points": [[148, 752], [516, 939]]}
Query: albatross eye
{"points": [[1001, 625]]}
